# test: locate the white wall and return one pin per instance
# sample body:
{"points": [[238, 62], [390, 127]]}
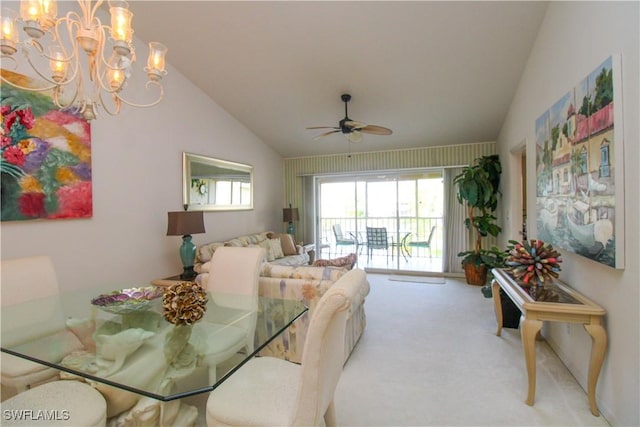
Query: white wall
{"points": [[137, 179], [573, 39]]}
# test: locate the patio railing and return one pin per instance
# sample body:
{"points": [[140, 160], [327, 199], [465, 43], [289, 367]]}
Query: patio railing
{"points": [[397, 228]]}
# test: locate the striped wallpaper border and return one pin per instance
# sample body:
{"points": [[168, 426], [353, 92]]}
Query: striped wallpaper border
{"points": [[425, 157]]}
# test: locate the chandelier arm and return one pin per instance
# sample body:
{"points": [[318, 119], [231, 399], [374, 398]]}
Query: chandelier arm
{"points": [[74, 23], [101, 68], [83, 83], [95, 63], [116, 101], [88, 12], [40, 50], [26, 88], [151, 104], [9, 58], [57, 91]]}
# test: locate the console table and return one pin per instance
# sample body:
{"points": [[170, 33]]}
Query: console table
{"points": [[167, 281], [554, 302]]}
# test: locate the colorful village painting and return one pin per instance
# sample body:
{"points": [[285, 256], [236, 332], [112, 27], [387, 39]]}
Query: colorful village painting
{"points": [[45, 156], [579, 169]]}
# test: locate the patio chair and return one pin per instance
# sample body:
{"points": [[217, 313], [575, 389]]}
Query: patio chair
{"points": [[342, 240], [377, 238], [420, 243]]}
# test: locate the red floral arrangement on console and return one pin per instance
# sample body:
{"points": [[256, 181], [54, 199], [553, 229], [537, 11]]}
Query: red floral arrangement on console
{"points": [[534, 262]]}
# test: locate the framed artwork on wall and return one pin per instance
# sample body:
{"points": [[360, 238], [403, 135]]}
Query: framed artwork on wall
{"points": [[579, 168], [45, 160]]}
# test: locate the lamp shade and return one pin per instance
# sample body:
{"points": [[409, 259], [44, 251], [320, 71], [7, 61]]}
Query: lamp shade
{"points": [[290, 214], [184, 223]]}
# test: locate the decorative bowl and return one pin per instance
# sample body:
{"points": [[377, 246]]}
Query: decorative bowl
{"points": [[129, 300]]}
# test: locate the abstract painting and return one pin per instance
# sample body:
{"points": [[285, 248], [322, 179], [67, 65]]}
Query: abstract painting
{"points": [[45, 160], [579, 168]]}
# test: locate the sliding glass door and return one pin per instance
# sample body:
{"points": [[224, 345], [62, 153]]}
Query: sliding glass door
{"points": [[393, 221]]}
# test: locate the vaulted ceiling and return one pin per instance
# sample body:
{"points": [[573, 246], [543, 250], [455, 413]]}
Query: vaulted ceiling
{"points": [[436, 73]]}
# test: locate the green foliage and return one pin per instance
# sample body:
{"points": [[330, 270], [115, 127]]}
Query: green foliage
{"points": [[478, 188], [555, 135], [604, 89], [494, 258], [603, 95], [585, 107]]}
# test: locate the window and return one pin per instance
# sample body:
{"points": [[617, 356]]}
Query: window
{"points": [[407, 204], [605, 165]]}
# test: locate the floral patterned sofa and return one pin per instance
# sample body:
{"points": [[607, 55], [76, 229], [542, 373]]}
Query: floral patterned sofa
{"points": [[280, 249], [306, 284]]}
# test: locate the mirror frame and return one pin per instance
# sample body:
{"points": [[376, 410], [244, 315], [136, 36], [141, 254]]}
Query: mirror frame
{"points": [[188, 159]]}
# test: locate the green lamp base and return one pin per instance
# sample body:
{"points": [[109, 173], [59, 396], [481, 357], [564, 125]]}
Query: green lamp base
{"points": [[188, 256]]}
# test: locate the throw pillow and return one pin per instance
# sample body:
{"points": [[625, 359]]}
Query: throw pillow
{"points": [[288, 245], [345, 261], [276, 248], [266, 244]]}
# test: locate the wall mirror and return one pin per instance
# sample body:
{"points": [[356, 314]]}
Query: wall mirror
{"points": [[216, 185]]}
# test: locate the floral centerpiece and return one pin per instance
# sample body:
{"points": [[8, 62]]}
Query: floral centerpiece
{"points": [[533, 262], [183, 304]]}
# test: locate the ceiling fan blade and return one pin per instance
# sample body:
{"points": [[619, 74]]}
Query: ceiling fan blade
{"points": [[375, 130], [325, 134], [351, 124], [322, 127]]}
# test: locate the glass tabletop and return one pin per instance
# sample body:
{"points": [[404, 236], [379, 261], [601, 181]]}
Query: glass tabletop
{"points": [[135, 348], [554, 292], [551, 292]]}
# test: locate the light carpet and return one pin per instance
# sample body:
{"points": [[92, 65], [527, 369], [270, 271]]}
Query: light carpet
{"points": [[418, 279], [429, 356]]}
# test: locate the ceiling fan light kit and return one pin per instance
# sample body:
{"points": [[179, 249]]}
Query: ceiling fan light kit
{"points": [[351, 129]]}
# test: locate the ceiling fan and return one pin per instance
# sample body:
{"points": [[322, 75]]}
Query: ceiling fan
{"points": [[352, 130]]}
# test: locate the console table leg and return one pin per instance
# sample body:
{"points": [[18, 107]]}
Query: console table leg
{"points": [[495, 290], [598, 347], [529, 330]]}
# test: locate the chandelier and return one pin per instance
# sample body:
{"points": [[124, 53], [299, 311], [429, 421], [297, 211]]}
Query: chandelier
{"points": [[76, 83]]}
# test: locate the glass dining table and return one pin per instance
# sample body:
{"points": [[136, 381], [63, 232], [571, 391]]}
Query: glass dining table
{"points": [[132, 347]]}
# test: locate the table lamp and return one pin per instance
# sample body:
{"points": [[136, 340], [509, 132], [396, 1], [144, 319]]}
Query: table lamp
{"points": [[290, 215], [185, 223]]}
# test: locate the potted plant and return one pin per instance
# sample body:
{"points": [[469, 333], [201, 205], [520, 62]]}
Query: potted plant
{"points": [[478, 189], [492, 258], [497, 258]]}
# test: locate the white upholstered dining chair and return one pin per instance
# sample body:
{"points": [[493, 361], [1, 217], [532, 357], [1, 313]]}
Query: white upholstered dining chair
{"points": [[273, 392], [65, 403], [28, 385], [232, 282], [26, 280]]}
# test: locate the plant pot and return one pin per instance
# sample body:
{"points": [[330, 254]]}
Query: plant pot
{"points": [[475, 274]]}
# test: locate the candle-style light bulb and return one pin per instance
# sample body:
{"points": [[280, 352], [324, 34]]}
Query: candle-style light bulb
{"points": [[9, 32], [121, 31], [58, 64], [155, 61], [31, 11], [49, 11]]}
